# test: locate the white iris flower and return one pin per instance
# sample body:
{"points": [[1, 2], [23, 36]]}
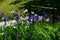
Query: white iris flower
{"points": [[32, 12], [26, 10]]}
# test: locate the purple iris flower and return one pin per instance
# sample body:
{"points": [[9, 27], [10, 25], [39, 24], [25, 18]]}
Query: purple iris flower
{"points": [[30, 22], [29, 19], [2, 13], [36, 17], [42, 17], [46, 15], [16, 16], [32, 17], [27, 14], [59, 18], [6, 17], [55, 20], [6, 33], [18, 36]]}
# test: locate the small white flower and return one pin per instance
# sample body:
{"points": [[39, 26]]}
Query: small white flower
{"points": [[2, 24], [31, 19], [12, 24], [14, 27], [23, 18], [12, 11], [32, 12], [35, 15], [22, 22], [47, 19], [27, 22], [26, 10], [8, 23], [39, 23], [2, 18], [2, 33], [13, 21], [26, 26], [40, 17], [27, 17]]}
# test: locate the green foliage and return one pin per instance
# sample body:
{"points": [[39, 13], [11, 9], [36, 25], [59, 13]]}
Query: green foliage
{"points": [[45, 31], [45, 3], [15, 2], [1, 1]]}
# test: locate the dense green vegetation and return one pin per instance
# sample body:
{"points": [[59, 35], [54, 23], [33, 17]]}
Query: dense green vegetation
{"points": [[42, 31]]}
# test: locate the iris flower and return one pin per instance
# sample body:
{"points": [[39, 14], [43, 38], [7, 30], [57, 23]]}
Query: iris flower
{"points": [[30, 22], [2, 13], [36, 17], [16, 17], [18, 36], [32, 17], [6, 33], [27, 14], [6, 18], [32, 12], [26, 10]]}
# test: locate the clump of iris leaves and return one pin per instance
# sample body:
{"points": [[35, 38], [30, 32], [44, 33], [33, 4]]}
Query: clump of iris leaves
{"points": [[33, 30]]}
